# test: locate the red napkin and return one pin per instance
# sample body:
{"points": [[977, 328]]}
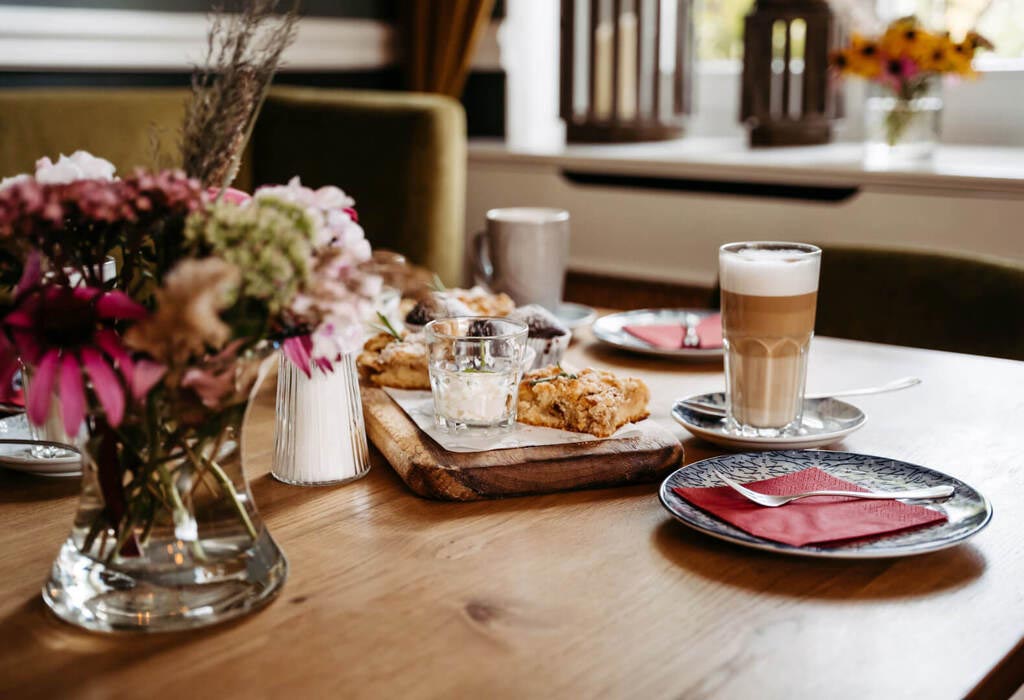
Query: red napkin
{"points": [[670, 335], [817, 520]]}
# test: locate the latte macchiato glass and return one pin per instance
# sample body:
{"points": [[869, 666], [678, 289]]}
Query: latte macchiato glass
{"points": [[769, 294]]}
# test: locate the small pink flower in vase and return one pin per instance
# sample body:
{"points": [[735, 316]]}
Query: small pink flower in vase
{"points": [[229, 195], [334, 306], [61, 331], [898, 72]]}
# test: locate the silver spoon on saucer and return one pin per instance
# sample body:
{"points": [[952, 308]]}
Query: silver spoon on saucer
{"points": [[896, 385]]}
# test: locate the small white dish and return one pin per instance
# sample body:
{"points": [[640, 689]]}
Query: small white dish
{"points": [[611, 330], [574, 316], [19, 456], [825, 421]]}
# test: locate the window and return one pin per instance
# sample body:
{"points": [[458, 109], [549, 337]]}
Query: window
{"points": [[719, 23], [719, 28]]}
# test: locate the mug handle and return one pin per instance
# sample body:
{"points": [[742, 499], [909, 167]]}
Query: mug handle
{"points": [[482, 268]]}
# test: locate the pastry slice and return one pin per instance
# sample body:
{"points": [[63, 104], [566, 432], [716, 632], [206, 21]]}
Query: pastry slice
{"points": [[590, 401], [401, 364], [483, 303]]}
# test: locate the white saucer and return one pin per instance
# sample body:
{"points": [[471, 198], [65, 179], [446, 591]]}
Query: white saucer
{"points": [[611, 329], [19, 457], [825, 422], [574, 316]]}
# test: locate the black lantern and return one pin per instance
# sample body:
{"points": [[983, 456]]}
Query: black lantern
{"points": [[788, 98]]}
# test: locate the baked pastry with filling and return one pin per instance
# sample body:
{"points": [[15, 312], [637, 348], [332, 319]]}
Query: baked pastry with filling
{"points": [[589, 401], [483, 303], [401, 364], [435, 306], [547, 335]]}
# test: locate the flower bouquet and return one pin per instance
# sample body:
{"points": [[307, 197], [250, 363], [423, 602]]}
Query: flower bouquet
{"points": [[906, 61], [155, 367]]}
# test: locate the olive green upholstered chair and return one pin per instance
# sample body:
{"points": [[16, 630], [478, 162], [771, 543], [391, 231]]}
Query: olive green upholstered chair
{"points": [[401, 156], [943, 301], [119, 125]]}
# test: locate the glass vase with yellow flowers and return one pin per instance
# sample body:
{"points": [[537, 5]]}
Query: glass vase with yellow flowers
{"points": [[906, 63]]}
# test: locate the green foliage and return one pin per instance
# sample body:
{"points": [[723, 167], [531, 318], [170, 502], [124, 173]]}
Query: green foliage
{"points": [[270, 241]]}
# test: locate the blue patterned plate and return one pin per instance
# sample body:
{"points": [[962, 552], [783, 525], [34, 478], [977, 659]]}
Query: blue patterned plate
{"points": [[968, 512]]}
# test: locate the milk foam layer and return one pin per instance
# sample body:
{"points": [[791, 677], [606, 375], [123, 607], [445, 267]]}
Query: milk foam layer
{"points": [[766, 272]]}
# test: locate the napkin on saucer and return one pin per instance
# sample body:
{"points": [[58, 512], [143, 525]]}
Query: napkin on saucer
{"points": [[670, 335], [817, 520]]}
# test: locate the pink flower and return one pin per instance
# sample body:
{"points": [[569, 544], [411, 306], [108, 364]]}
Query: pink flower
{"points": [[299, 351], [896, 71], [229, 194], [9, 365], [219, 378], [331, 309], [61, 331], [45, 214], [328, 197], [14, 180]]}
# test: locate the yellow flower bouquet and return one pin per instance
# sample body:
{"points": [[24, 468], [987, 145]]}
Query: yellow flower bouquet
{"points": [[906, 60]]}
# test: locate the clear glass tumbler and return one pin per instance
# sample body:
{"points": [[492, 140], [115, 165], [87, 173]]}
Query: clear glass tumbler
{"points": [[475, 368], [769, 296]]}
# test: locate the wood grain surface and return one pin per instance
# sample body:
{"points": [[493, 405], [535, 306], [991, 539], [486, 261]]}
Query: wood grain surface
{"points": [[581, 594], [433, 472]]}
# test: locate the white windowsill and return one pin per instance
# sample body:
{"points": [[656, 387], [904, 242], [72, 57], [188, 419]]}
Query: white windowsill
{"points": [[968, 170]]}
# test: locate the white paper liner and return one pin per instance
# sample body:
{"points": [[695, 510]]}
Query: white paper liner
{"points": [[419, 406]]}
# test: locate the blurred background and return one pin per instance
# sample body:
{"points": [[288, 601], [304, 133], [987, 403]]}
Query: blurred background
{"points": [[657, 170]]}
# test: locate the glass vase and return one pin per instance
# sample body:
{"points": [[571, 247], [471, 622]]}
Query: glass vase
{"points": [[899, 131], [52, 429], [166, 536], [319, 436]]}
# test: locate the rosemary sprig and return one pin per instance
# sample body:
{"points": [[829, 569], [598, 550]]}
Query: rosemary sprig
{"points": [[387, 327], [437, 285], [561, 375]]}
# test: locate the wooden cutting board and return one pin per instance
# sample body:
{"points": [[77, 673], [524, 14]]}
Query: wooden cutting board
{"points": [[433, 472]]}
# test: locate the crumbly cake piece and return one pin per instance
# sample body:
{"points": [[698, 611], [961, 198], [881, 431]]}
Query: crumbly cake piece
{"points": [[483, 303], [401, 364], [589, 401]]}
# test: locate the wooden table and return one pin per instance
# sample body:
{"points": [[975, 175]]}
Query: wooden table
{"points": [[582, 594]]}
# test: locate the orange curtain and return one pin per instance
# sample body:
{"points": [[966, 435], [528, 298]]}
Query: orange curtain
{"points": [[441, 37]]}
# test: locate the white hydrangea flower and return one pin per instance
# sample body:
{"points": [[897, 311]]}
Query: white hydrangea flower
{"points": [[14, 180], [331, 197], [80, 165]]}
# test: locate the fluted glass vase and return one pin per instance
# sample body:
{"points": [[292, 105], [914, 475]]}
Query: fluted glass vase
{"points": [[166, 535]]}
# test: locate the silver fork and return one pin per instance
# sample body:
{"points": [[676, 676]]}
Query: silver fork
{"points": [[776, 501], [691, 339]]}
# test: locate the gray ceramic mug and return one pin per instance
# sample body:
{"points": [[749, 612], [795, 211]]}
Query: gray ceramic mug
{"points": [[524, 252]]}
